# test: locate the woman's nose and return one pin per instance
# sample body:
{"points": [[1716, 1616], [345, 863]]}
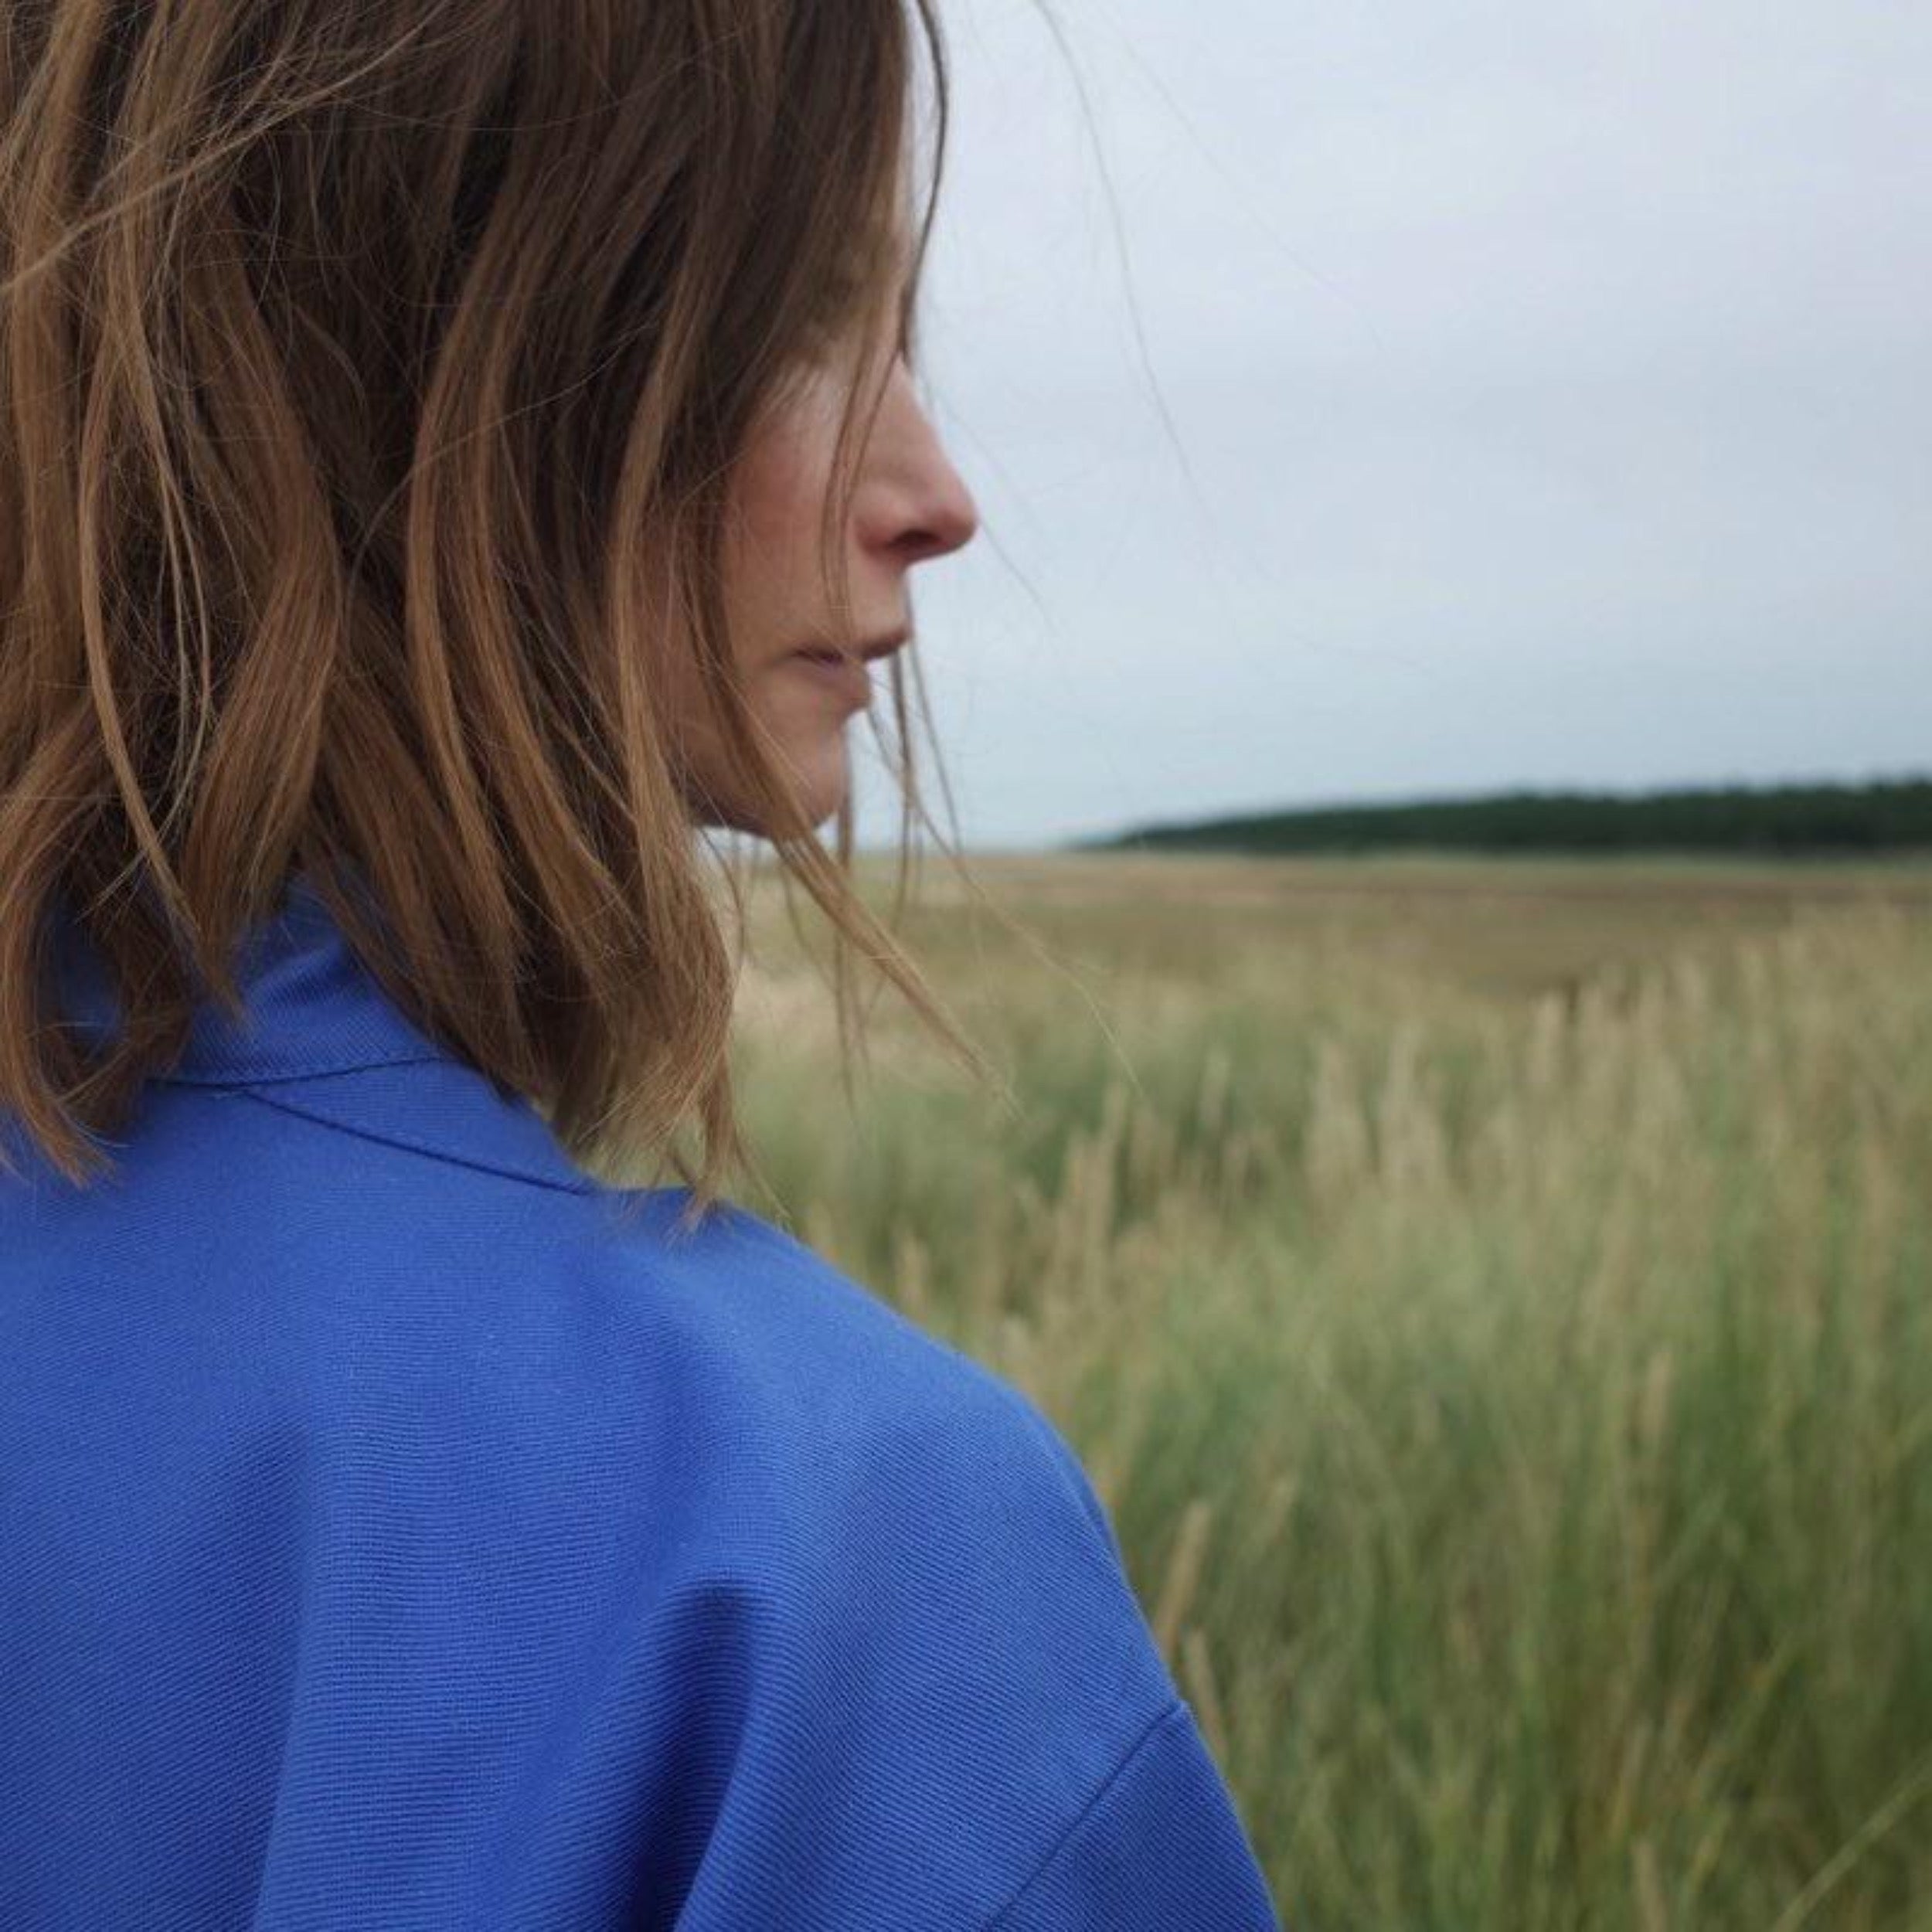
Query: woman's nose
{"points": [[931, 512]]}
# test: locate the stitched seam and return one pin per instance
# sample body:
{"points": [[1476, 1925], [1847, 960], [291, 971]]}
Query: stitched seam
{"points": [[417, 1147], [1171, 1708], [324, 1069]]}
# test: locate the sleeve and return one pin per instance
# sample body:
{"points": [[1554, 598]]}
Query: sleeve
{"points": [[969, 1727], [1158, 1846]]}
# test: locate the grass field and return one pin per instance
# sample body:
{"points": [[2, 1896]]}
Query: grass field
{"points": [[1495, 1302]]}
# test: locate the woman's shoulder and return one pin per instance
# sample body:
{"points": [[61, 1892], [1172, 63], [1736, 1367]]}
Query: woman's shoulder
{"points": [[960, 1707], [879, 1483], [592, 1354], [751, 1337], [906, 1557]]}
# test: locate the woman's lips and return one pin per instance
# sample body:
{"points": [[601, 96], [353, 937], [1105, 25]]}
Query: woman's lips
{"points": [[846, 676]]}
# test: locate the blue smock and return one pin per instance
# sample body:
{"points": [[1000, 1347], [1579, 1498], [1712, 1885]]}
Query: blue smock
{"points": [[391, 1535]]}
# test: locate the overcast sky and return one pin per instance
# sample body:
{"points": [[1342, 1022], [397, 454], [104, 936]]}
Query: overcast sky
{"points": [[1375, 402]]}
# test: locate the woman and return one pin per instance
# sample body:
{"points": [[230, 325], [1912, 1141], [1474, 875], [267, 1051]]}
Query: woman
{"points": [[455, 454]]}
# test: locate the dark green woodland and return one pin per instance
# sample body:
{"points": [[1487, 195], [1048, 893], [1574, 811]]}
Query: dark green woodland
{"points": [[1783, 821]]}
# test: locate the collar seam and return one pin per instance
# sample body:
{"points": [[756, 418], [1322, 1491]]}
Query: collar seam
{"points": [[583, 1185], [213, 1074]]}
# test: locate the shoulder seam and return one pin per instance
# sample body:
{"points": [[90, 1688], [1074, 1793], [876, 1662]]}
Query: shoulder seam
{"points": [[1170, 1710], [443, 1154]]}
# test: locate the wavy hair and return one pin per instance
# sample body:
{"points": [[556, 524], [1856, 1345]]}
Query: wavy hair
{"points": [[371, 374]]}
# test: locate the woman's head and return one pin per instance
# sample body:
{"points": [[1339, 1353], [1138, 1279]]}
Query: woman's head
{"points": [[429, 429]]}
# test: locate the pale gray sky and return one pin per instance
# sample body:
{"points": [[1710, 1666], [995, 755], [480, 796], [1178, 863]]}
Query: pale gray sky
{"points": [[1530, 392]]}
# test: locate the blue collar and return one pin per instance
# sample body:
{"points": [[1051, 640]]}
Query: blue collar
{"points": [[312, 1006], [312, 1011]]}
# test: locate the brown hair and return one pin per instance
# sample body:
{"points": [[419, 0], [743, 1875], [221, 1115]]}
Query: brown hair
{"points": [[371, 372]]}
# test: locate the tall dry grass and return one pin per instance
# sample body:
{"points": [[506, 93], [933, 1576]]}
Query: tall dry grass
{"points": [[1516, 1411]]}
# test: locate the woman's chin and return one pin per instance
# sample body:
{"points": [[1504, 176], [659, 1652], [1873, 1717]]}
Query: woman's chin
{"points": [[824, 782], [820, 777]]}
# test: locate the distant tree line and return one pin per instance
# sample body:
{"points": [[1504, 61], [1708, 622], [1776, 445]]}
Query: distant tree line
{"points": [[1788, 821]]}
